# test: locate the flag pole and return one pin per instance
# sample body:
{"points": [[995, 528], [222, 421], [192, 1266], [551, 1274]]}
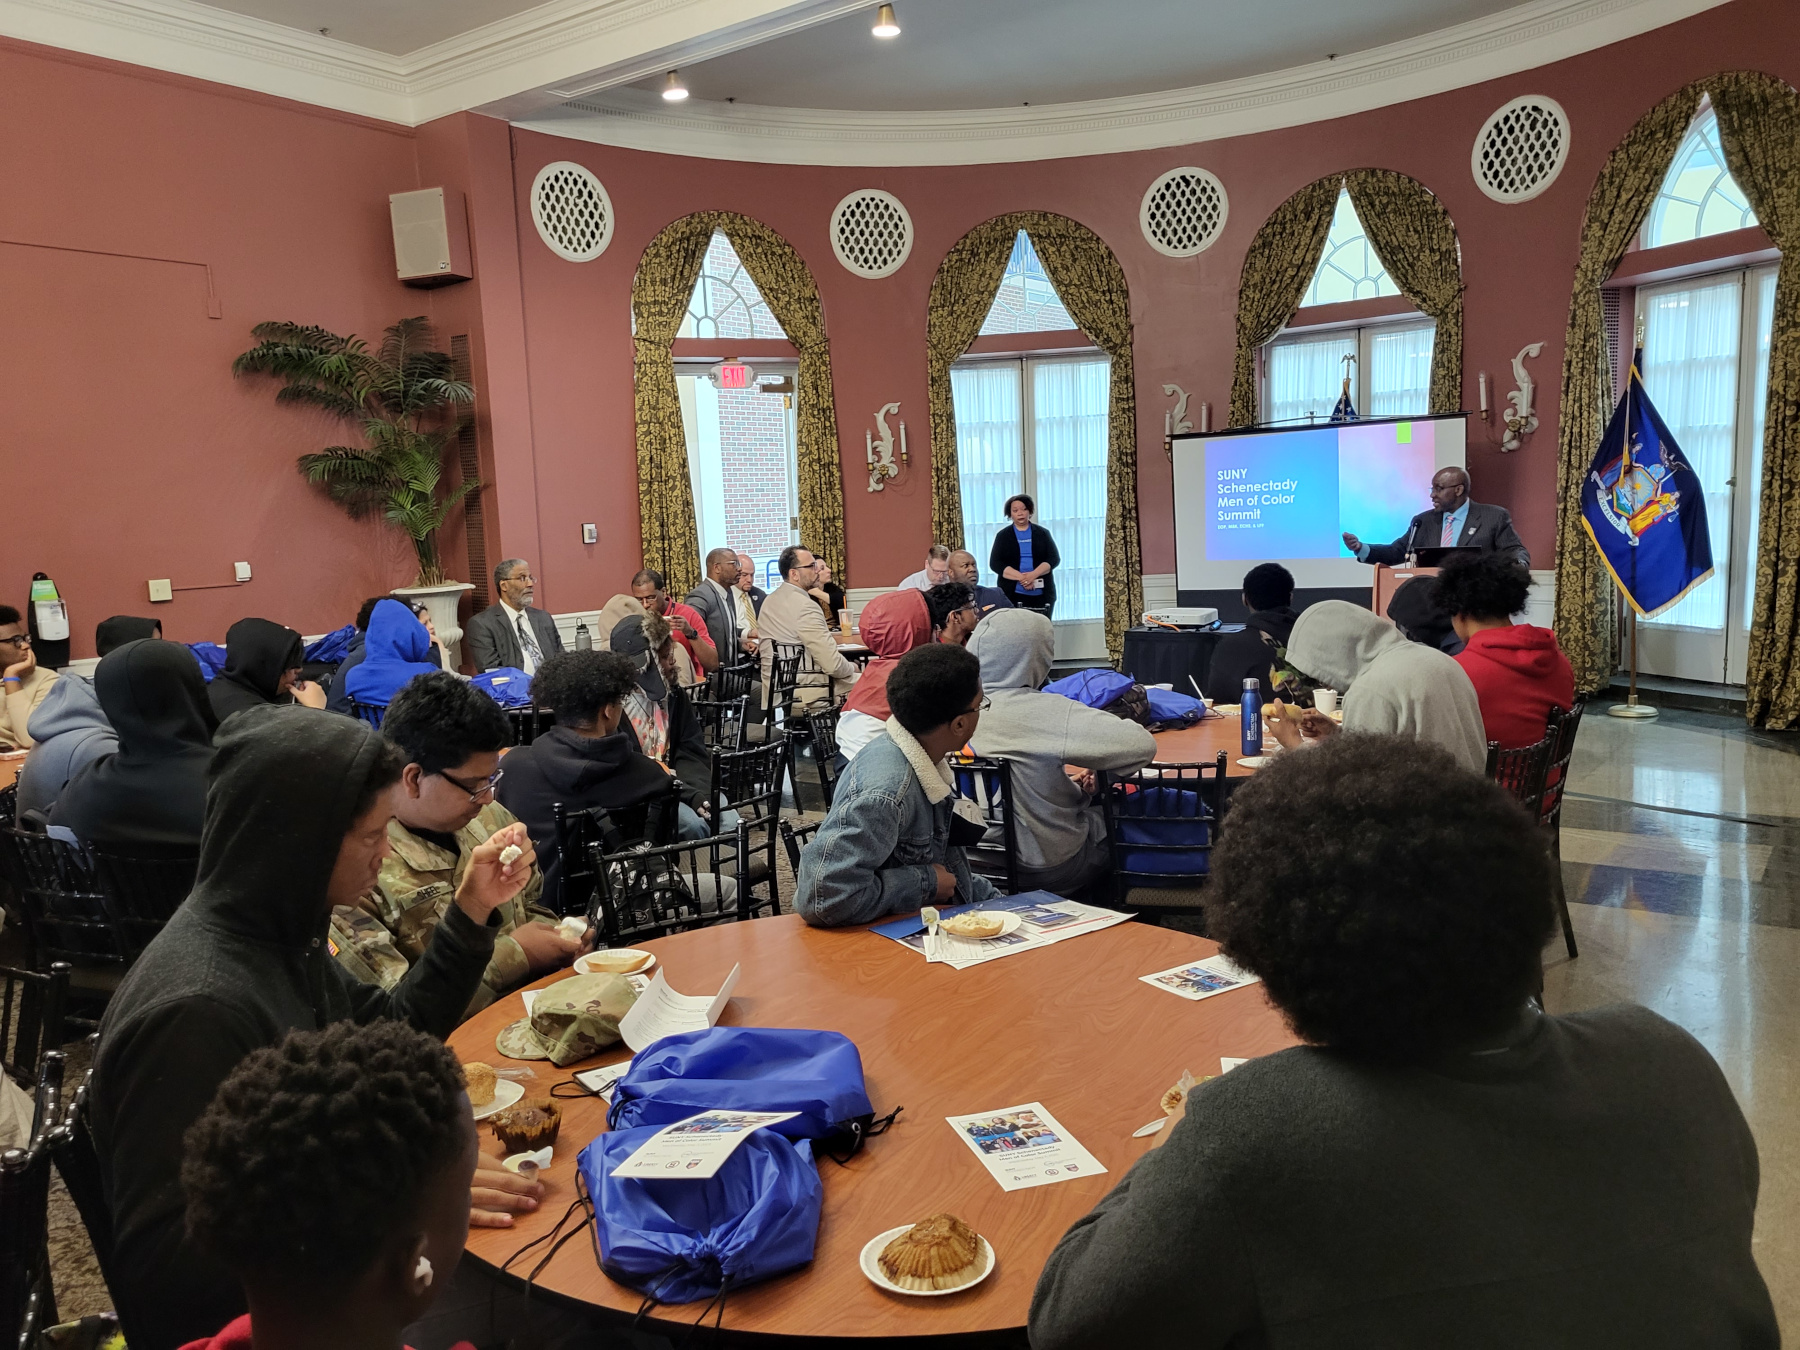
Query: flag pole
{"points": [[1631, 708]]}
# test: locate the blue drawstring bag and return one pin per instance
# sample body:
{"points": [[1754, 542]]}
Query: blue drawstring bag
{"points": [[1171, 708], [1096, 688], [679, 1241], [506, 685], [1180, 842], [211, 657], [817, 1073], [331, 648]]}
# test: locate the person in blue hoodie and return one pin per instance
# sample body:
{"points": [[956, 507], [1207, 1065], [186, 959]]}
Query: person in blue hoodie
{"points": [[395, 650]]}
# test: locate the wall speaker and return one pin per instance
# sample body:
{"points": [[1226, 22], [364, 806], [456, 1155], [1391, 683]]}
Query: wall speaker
{"points": [[431, 236]]}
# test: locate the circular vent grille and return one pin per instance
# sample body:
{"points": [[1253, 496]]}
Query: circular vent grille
{"points": [[1521, 149], [871, 233], [1183, 212], [573, 213]]}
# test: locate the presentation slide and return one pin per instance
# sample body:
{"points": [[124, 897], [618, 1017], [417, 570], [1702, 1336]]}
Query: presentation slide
{"points": [[1290, 495]]}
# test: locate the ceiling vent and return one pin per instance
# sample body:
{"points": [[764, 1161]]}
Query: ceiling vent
{"points": [[1183, 212], [1521, 149], [871, 233], [573, 213]]}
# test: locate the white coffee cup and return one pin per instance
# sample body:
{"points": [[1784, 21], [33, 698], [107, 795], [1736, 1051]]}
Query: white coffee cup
{"points": [[1325, 700]]}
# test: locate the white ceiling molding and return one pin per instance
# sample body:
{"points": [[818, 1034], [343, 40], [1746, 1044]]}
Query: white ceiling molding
{"points": [[1507, 43]]}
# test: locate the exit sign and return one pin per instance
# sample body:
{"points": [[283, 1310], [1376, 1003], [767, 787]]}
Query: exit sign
{"points": [[732, 375]]}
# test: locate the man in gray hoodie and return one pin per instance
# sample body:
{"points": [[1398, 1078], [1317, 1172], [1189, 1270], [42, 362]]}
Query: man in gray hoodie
{"points": [[1389, 685], [1061, 828], [69, 732]]}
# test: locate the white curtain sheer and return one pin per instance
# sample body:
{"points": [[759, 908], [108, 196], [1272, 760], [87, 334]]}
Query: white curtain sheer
{"points": [[1762, 288], [1400, 371], [1690, 370], [990, 450], [1069, 405], [1306, 375]]}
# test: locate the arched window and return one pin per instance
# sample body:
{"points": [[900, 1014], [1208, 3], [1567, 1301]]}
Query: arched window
{"points": [[1349, 268], [726, 303], [1698, 196], [1026, 301]]}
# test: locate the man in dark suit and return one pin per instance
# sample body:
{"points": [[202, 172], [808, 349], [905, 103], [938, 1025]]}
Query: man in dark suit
{"points": [[510, 632], [1453, 522], [715, 600], [747, 586]]}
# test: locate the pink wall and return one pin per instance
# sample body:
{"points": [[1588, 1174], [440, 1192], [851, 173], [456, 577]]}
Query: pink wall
{"points": [[148, 460]]}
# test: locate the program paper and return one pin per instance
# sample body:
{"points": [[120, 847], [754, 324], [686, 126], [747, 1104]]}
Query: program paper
{"points": [[1024, 1146], [697, 1147]]}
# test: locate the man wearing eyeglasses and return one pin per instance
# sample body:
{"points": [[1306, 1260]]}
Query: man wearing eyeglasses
{"points": [[510, 632], [452, 734], [23, 683]]}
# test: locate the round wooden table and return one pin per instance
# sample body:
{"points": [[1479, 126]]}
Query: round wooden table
{"points": [[1197, 744], [1069, 1025]]}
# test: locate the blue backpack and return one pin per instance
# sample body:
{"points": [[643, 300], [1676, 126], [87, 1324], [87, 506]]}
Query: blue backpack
{"points": [[1175, 843], [331, 648], [1096, 688], [817, 1073], [506, 685], [211, 657], [1171, 708]]}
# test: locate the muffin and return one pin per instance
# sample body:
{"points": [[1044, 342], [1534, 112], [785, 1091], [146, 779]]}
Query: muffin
{"points": [[527, 1127], [479, 1079], [941, 1252], [974, 924]]}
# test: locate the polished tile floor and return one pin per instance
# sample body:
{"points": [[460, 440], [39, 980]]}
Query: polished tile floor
{"points": [[1681, 856]]}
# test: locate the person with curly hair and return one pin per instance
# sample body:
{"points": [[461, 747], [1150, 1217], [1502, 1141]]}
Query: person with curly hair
{"points": [[330, 1176], [586, 761], [952, 609], [1441, 1162], [1518, 671]]}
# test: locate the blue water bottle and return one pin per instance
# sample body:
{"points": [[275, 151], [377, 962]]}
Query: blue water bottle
{"points": [[1252, 715]]}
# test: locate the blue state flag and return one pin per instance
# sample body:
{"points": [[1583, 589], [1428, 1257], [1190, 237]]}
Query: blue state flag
{"points": [[1643, 507]]}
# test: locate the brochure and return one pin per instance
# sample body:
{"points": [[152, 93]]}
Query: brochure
{"points": [[600, 1081], [1044, 918], [660, 1011], [697, 1147], [1024, 1146], [1201, 979]]}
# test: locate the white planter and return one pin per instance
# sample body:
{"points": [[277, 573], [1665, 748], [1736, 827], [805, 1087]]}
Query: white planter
{"points": [[441, 601]]}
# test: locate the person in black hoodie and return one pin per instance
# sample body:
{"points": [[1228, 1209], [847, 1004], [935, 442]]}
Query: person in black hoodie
{"points": [[153, 789], [1269, 596], [586, 760], [262, 666], [296, 819]]}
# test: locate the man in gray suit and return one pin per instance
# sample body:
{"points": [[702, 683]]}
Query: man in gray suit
{"points": [[715, 599], [510, 632], [1453, 522]]}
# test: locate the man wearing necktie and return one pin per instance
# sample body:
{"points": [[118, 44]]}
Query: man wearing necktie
{"points": [[1453, 522], [511, 632]]}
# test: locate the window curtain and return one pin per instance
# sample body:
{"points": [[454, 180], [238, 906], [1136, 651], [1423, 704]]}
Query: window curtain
{"points": [[1759, 127], [659, 298], [990, 451], [1277, 270], [1400, 372], [1069, 422], [1621, 198], [1306, 375], [1092, 285], [1416, 241]]}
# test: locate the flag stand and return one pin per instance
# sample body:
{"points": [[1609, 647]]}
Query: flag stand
{"points": [[1631, 707]]}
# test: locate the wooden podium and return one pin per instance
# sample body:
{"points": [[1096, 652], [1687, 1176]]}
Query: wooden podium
{"points": [[1390, 579]]}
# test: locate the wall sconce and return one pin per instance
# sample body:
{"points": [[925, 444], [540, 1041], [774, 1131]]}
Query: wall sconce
{"points": [[1175, 420], [880, 450], [1522, 420]]}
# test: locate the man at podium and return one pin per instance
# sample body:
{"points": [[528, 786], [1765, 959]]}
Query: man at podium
{"points": [[1453, 522]]}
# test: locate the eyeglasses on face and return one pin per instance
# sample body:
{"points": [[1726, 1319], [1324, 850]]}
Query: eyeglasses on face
{"points": [[980, 707], [476, 791], [22, 640]]}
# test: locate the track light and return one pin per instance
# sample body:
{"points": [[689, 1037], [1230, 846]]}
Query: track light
{"points": [[886, 25], [674, 90]]}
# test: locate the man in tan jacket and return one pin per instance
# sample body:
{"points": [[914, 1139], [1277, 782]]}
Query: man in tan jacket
{"points": [[23, 683], [791, 614]]}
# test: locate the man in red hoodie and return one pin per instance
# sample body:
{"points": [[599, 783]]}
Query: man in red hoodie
{"points": [[1518, 671]]}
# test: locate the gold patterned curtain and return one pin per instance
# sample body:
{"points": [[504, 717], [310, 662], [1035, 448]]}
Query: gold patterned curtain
{"points": [[1621, 198], [1416, 241], [1280, 263], [1091, 284], [665, 282], [1759, 128]]}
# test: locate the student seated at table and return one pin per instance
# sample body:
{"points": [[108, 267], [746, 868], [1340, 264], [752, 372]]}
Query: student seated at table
{"points": [[885, 847], [1441, 1163], [1061, 828], [1418, 612], [444, 811], [1257, 652], [24, 684], [396, 649], [1388, 684], [331, 1177], [953, 616], [792, 615], [1518, 671], [68, 728], [151, 792], [337, 698], [891, 625], [262, 666], [586, 761], [296, 822], [662, 723]]}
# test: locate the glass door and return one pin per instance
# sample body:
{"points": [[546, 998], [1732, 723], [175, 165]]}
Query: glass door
{"points": [[741, 463]]}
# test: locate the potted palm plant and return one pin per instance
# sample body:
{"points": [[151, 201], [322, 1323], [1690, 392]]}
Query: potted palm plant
{"points": [[404, 397]]}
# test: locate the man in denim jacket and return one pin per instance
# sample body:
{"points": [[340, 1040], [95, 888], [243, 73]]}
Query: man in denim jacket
{"points": [[885, 848]]}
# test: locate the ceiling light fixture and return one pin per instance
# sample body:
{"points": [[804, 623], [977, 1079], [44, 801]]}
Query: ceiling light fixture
{"points": [[886, 25], [674, 90]]}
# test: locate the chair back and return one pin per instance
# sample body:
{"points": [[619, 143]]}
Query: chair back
{"points": [[66, 912], [643, 893], [1561, 732], [143, 889], [651, 821], [795, 838], [372, 713], [1162, 822], [32, 1018], [988, 783], [732, 681], [819, 726], [78, 1163], [722, 721], [784, 675], [1521, 771], [748, 781], [9, 803], [529, 723], [27, 1299]]}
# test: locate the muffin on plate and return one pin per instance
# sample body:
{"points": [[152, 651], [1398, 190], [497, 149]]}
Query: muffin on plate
{"points": [[527, 1127], [480, 1080], [941, 1252]]}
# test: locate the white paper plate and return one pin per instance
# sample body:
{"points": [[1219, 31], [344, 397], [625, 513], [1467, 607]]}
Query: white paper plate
{"points": [[506, 1092], [582, 966], [1255, 762], [872, 1267], [1009, 923]]}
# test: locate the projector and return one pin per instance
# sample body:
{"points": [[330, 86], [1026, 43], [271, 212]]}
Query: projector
{"points": [[1182, 618]]}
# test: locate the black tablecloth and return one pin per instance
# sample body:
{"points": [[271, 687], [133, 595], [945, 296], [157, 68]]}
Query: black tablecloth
{"points": [[1162, 656]]}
